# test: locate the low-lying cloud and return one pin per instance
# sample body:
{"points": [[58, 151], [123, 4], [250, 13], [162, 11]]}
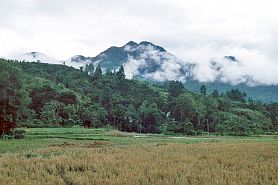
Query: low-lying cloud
{"points": [[251, 67], [158, 65], [204, 65]]}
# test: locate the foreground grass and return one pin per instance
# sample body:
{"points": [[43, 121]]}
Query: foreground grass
{"points": [[97, 156]]}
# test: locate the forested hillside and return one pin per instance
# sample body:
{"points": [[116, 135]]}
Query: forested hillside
{"points": [[48, 95], [263, 93]]}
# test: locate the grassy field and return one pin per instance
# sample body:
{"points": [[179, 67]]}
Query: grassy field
{"points": [[98, 156]]}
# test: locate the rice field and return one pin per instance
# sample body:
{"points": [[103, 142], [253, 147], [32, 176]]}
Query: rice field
{"points": [[77, 156]]}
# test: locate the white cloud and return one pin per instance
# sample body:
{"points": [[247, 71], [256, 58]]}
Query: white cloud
{"points": [[150, 57], [132, 65], [251, 63]]}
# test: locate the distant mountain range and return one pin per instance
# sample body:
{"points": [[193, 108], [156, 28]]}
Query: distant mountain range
{"points": [[37, 57], [147, 61], [75, 61]]}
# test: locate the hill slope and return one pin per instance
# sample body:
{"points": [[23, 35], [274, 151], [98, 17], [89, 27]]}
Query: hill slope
{"points": [[50, 95]]}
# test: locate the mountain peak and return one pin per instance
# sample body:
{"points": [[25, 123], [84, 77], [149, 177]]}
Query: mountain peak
{"points": [[147, 43], [35, 56], [78, 58], [131, 43]]}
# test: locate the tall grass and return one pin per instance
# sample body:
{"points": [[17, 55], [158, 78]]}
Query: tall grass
{"points": [[99, 162]]}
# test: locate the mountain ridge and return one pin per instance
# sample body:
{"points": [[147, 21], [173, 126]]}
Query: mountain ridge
{"points": [[147, 61]]}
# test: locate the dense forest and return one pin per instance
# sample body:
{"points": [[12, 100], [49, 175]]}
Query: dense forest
{"points": [[47, 95]]}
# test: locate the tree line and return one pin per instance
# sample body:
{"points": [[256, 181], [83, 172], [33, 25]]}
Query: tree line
{"points": [[48, 95]]}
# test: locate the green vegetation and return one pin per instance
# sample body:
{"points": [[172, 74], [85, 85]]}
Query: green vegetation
{"points": [[44, 95], [263, 93], [36, 138]]}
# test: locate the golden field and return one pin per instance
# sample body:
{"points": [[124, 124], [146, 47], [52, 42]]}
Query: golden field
{"points": [[102, 162]]}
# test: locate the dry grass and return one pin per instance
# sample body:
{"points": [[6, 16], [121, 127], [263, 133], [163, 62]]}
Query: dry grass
{"points": [[117, 133], [96, 144], [203, 163]]}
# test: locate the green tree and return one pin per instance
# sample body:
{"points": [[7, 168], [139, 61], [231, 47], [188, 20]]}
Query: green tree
{"points": [[93, 115], [150, 117], [109, 73], [200, 116], [231, 124], [236, 95], [273, 114], [215, 93], [184, 107], [211, 106], [119, 117], [13, 96], [89, 69], [72, 114], [224, 104], [175, 88], [121, 73], [132, 118], [98, 73], [41, 95], [51, 112], [203, 90], [259, 121]]}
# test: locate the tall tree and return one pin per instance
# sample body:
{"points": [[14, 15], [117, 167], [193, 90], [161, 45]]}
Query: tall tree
{"points": [[93, 115], [13, 96], [51, 112], [211, 106], [236, 95], [273, 112], [98, 73], [121, 73], [203, 90], [175, 88], [150, 117], [215, 93], [89, 69], [184, 107]]}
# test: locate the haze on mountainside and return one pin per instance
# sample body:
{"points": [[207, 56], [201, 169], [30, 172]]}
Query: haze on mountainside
{"points": [[195, 36]]}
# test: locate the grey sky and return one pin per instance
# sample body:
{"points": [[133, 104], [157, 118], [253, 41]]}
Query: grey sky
{"points": [[194, 30]]}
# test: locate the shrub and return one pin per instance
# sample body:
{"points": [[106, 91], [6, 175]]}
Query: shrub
{"points": [[14, 134], [18, 134]]}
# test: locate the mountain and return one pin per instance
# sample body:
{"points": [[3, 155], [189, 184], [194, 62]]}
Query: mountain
{"points": [[147, 61], [76, 61], [142, 60], [263, 93], [37, 57]]}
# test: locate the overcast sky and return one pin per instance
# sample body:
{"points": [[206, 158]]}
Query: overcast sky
{"points": [[193, 30]]}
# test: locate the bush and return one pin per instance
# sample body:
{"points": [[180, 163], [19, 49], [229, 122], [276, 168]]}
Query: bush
{"points": [[14, 134], [177, 127], [232, 124], [6, 126], [19, 134]]}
